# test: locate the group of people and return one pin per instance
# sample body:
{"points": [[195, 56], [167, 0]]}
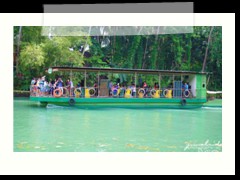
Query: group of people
{"points": [[186, 89], [42, 87], [120, 89]]}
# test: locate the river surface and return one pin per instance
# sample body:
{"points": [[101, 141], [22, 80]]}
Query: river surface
{"points": [[69, 129]]}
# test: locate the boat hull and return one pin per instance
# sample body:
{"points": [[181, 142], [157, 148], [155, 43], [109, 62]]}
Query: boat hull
{"points": [[123, 102]]}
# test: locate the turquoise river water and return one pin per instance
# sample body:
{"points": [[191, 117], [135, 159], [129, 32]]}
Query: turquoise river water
{"points": [[70, 129]]}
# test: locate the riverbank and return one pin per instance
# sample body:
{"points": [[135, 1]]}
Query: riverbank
{"points": [[17, 93]]}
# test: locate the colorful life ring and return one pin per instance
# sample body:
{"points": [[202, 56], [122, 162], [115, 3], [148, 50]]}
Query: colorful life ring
{"points": [[165, 92], [115, 92], [186, 93], [141, 91], [153, 92], [57, 93]]}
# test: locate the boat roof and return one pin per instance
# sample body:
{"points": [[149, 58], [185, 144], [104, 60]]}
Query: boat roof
{"points": [[124, 70]]}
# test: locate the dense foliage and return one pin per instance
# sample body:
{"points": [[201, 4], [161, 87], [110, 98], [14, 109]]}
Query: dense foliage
{"points": [[164, 52]]}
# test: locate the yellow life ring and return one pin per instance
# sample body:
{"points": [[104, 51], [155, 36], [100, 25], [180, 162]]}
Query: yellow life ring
{"points": [[128, 93], [77, 92], [87, 95], [57, 93], [141, 93], [167, 93], [91, 92], [155, 93], [158, 92]]}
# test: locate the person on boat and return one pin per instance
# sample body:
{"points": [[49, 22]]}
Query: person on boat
{"points": [[140, 82], [133, 88], [145, 86], [50, 84], [156, 86], [68, 85], [55, 86], [41, 85], [46, 87], [71, 87], [38, 87], [122, 90], [186, 92], [110, 88], [60, 84], [96, 88], [117, 86], [32, 84], [33, 81], [113, 87], [79, 84], [185, 86]]}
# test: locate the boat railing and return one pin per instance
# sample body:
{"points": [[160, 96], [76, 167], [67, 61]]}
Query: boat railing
{"points": [[120, 92]]}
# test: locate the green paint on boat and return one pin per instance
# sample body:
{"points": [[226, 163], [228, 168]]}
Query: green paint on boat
{"points": [[124, 102]]}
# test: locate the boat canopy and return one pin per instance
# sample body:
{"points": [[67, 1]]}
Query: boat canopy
{"points": [[124, 70]]}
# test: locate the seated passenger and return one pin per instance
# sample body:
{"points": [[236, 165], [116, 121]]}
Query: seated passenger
{"points": [[133, 90]]}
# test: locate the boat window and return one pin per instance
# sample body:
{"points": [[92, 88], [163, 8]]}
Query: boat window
{"points": [[203, 85]]}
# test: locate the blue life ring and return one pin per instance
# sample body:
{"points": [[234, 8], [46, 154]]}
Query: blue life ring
{"points": [[115, 92]]}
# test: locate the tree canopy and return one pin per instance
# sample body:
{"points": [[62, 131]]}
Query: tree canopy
{"points": [[164, 52]]}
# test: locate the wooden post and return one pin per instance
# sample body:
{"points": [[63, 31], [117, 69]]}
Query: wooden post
{"points": [[85, 78], [136, 84], [98, 83], [181, 86], [159, 81], [173, 86]]}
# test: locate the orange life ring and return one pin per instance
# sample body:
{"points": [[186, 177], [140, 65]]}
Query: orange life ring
{"points": [[59, 94]]}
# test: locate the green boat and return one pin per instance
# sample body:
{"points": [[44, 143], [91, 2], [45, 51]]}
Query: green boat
{"points": [[187, 89]]}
